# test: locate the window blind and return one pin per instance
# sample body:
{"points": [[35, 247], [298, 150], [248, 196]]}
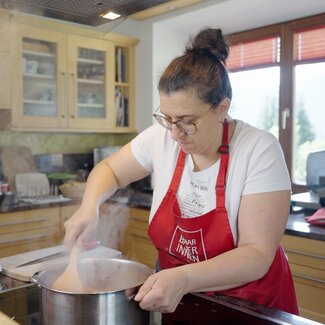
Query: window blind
{"points": [[309, 45], [254, 54]]}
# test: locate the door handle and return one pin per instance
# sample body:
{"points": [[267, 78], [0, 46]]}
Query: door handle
{"points": [[285, 116], [64, 96], [73, 93]]}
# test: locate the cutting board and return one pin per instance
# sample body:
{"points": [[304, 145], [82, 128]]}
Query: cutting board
{"points": [[6, 320], [16, 159], [13, 265]]}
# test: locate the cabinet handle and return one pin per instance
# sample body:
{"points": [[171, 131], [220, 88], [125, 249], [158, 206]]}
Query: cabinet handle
{"points": [[14, 241], [306, 277], [72, 101], [139, 237], [63, 103], [24, 221], [304, 254]]}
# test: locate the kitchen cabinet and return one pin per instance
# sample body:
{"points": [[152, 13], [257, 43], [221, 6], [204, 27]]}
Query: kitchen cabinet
{"points": [[136, 244], [40, 78], [28, 230], [5, 66], [70, 79], [65, 213], [307, 262]]}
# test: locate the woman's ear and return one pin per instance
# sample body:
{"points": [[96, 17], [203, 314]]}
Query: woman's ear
{"points": [[224, 108]]}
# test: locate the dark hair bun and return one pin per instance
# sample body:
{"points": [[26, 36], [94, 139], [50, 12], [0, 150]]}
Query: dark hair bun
{"points": [[210, 40]]}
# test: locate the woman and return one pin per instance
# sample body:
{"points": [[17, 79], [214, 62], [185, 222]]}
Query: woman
{"points": [[222, 190]]}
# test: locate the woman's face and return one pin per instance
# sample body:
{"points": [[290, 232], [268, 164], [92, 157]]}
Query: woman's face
{"points": [[186, 106]]}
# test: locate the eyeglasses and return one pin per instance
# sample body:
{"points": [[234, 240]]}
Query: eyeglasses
{"points": [[187, 127]]}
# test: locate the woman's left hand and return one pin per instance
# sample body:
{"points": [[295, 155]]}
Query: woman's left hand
{"points": [[163, 291]]}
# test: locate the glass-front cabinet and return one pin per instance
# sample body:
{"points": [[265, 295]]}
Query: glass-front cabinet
{"points": [[65, 81], [90, 82], [39, 78]]}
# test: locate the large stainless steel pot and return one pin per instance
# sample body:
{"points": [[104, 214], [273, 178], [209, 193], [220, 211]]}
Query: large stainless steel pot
{"points": [[113, 284]]}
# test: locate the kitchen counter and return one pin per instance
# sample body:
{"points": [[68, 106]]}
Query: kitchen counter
{"points": [[296, 226], [9, 204], [125, 196]]}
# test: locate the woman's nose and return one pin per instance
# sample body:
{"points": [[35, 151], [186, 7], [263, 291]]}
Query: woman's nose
{"points": [[176, 132]]}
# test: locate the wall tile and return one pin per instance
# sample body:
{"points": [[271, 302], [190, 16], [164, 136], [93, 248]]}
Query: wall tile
{"points": [[46, 143]]}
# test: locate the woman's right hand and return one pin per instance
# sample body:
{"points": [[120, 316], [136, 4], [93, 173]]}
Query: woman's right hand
{"points": [[82, 228]]}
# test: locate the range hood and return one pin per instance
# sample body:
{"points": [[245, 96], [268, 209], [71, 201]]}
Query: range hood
{"points": [[87, 12]]}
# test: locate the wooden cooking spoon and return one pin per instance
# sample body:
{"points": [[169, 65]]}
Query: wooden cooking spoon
{"points": [[69, 280]]}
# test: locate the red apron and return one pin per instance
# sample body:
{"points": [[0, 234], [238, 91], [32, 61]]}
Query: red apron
{"points": [[188, 240]]}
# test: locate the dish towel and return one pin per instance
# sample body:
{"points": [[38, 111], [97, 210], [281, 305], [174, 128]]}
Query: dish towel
{"points": [[318, 218]]}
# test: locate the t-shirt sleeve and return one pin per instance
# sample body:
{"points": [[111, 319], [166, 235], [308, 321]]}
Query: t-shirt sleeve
{"points": [[266, 170], [143, 147]]}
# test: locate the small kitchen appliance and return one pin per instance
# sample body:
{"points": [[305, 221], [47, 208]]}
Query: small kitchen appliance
{"points": [[315, 181]]}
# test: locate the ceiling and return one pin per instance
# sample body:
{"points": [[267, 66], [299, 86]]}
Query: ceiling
{"points": [[165, 8], [88, 12], [236, 15]]}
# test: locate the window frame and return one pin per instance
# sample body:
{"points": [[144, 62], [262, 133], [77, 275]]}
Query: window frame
{"points": [[286, 96]]}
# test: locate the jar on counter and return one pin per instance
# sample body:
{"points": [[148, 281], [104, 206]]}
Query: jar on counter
{"points": [[4, 185]]}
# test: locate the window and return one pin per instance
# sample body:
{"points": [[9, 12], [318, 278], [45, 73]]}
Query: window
{"points": [[255, 79], [278, 78], [309, 97]]}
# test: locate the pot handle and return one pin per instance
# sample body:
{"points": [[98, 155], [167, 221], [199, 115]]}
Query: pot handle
{"points": [[35, 279], [131, 298]]}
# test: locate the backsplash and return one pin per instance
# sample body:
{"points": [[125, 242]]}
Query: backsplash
{"points": [[52, 143], [67, 163]]}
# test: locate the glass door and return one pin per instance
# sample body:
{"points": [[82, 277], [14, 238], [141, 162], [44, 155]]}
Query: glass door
{"points": [[39, 78], [90, 86], [91, 83], [39, 81]]}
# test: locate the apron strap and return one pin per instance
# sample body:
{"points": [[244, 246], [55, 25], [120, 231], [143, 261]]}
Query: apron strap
{"points": [[221, 180], [178, 172]]}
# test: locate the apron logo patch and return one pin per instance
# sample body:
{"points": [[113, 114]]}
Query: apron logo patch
{"points": [[188, 245]]}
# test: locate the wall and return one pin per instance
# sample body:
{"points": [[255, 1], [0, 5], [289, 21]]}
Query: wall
{"points": [[167, 44], [162, 37], [45, 143]]}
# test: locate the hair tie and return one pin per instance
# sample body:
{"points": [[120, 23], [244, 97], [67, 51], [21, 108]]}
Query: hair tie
{"points": [[206, 51]]}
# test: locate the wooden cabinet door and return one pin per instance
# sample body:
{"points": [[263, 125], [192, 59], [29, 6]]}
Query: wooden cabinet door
{"points": [[90, 83], [29, 230], [307, 262], [5, 65], [39, 78], [66, 213], [136, 244]]}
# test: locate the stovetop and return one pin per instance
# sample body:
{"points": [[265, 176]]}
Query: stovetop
{"points": [[19, 300], [8, 284]]}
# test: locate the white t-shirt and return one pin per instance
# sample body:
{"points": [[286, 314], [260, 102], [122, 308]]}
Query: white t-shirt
{"points": [[256, 165]]}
